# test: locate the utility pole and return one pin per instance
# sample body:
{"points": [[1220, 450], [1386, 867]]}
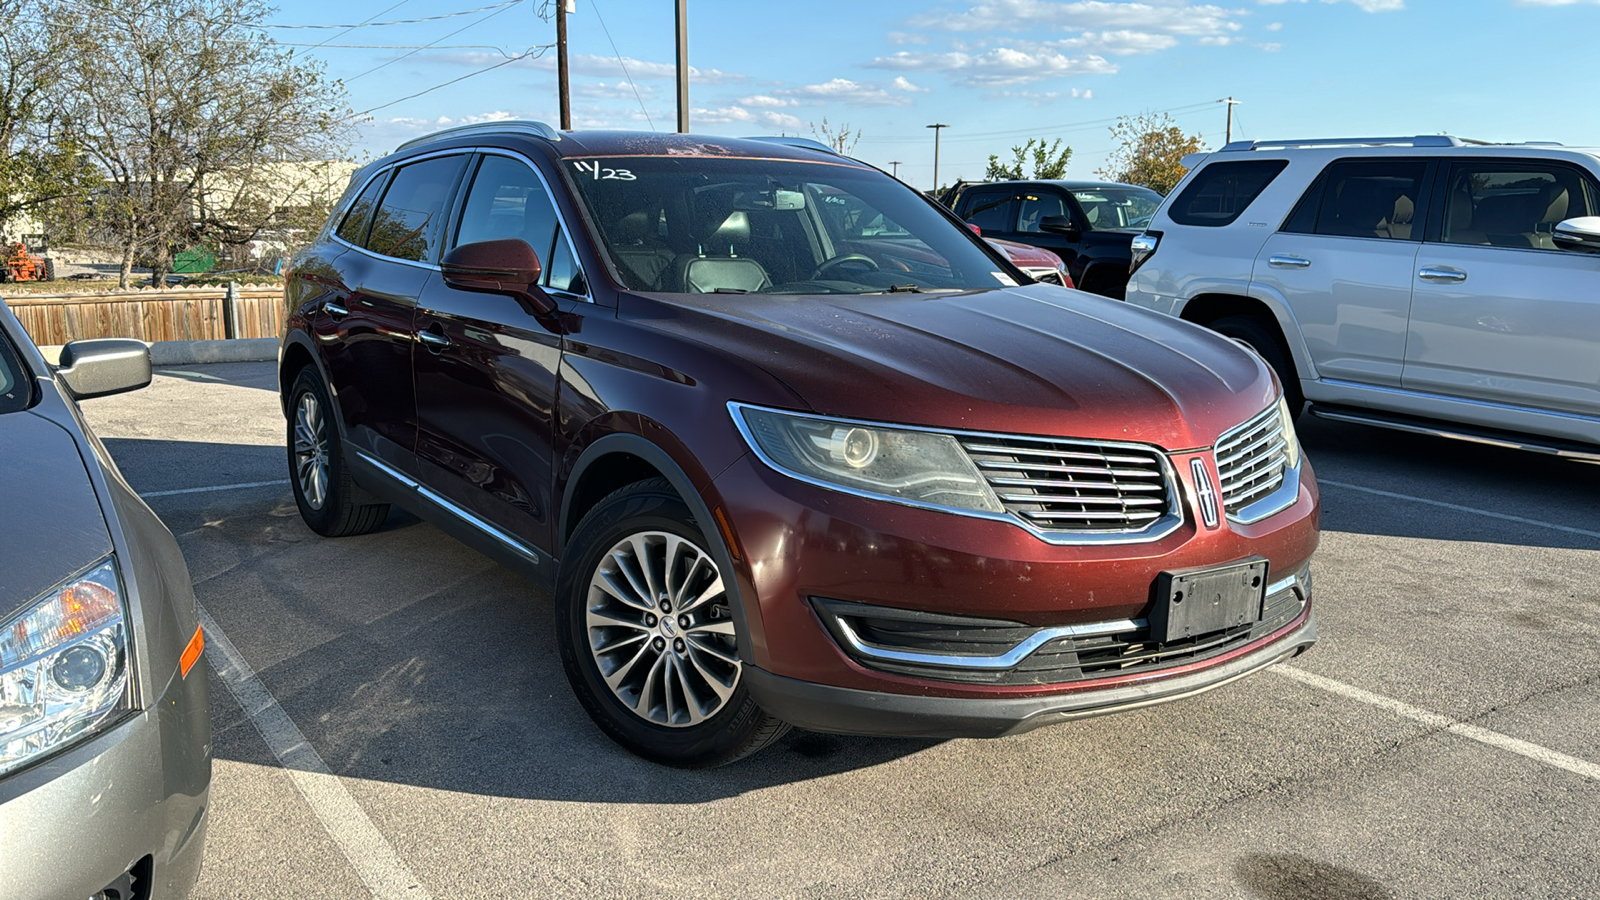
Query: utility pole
{"points": [[562, 8], [683, 66], [1228, 135], [936, 128], [896, 164]]}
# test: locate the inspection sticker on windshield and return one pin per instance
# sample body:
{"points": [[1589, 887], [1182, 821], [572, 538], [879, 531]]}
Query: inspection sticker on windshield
{"points": [[1004, 279], [601, 173]]}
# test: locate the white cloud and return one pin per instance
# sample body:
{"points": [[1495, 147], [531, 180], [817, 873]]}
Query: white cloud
{"points": [[843, 90], [907, 37], [1043, 98], [1119, 43], [999, 66], [729, 115], [901, 83], [1173, 17], [1554, 2], [767, 101], [599, 66], [621, 90], [1275, 26], [1387, 5]]}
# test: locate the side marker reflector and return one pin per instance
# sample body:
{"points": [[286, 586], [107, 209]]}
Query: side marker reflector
{"points": [[191, 653]]}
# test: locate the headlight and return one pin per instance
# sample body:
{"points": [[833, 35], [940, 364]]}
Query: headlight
{"points": [[916, 467], [1291, 442], [63, 666]]}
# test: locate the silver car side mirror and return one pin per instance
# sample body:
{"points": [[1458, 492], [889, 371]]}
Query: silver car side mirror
{"points": [[1581, 235], [95, 368]]}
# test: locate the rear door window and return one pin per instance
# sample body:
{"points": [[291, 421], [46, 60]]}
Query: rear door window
{"points": [[1373, 198], [409, 223], [354, 227], [14, 387], [1222, 191]]}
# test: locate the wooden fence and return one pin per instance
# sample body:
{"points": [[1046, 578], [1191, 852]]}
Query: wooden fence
{"points": [[172, 314]]}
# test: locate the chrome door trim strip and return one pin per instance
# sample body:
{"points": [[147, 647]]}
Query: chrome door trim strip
{"points": [[504, 538], [1489, 404], [1004, 660]]}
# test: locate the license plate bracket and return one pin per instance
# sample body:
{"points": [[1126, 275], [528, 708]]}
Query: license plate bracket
{"points": [[1192, 602]]}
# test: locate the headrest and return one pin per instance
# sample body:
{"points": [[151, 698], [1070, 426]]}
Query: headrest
{"points": [[1404, 211], [735, 229], [634, 227], [1556, 201]]}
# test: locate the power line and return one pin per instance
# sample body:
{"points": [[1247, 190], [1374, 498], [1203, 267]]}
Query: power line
{"points": [[431, 44], [534, 53], [371, 24], [596, 5], [368, 19]]}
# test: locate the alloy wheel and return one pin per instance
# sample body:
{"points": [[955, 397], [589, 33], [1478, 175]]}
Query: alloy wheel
{"points": [[311, 450], [659, 628]]}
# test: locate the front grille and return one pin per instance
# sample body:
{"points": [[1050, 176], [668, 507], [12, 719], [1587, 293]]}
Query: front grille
{"points": [[1060, 661], [1075, 487], [1046, 275], [1252, 460]]}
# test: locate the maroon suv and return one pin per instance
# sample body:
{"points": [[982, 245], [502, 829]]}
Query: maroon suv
{"points": [[788, 443]]}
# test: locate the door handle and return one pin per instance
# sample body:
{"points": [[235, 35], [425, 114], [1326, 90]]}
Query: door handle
{"points": [[434, 341], [335, 309], [1442, 273], [1288, 262]]}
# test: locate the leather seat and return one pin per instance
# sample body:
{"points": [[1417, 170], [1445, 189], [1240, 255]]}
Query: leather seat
{"points": [[639, 250], [715, 264]]}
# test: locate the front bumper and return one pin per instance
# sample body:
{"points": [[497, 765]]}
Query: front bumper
{"points": [[821, 707], [134, 799]]}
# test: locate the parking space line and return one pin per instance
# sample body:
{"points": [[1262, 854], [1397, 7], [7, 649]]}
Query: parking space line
{"points": [[1459, 508], [374, 860], [1445, 723], [220, 487]]}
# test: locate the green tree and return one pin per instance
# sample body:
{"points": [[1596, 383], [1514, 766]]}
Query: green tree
{"points": [[37, 167], [187, 106], [1049, 162], [1150, 152]]}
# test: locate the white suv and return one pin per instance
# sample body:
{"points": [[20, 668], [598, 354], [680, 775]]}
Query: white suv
{"points": [[1425, 283]]}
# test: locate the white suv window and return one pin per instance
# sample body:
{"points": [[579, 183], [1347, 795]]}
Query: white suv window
{"points": [[1374, 198], [1221, 191]]}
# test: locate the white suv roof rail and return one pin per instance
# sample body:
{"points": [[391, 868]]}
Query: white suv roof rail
{"points": [[523, 126], [1420, 140]]}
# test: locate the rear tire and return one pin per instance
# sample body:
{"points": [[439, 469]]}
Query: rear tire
{"points": [[323, 488], [49, 269], [1268, 344], [647, 636]]}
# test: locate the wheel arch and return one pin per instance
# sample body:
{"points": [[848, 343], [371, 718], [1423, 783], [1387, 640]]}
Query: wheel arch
{"points": [[1204, 309]]}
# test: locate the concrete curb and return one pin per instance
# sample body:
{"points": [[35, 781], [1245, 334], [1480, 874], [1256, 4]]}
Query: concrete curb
{"points": [[190, 353]]}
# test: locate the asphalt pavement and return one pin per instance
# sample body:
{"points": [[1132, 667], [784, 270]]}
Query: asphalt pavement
{"points": [[411, 734]]}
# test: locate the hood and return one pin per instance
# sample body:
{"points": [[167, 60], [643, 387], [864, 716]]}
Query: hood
{"points": [[51, 525], [1027, 360]]}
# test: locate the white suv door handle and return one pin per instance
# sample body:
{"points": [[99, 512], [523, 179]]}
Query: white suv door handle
{"points": [[1442, 273], [1288, 262]]}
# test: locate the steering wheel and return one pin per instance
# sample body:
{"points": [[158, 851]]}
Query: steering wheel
{"points": [[837, 261]]}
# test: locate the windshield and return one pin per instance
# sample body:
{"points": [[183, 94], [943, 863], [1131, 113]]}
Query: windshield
{"points": [[761, 226], [1110, 208]]}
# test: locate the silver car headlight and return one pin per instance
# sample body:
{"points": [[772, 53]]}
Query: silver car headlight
{"points": [[63, 666], [921, 468]]}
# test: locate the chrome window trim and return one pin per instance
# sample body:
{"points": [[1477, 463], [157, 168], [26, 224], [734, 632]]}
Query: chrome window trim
{"points": [[561, 219], [378, 173], [1155, 531]]}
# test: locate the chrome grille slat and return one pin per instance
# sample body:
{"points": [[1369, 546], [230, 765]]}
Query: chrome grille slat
{"points": [[1066, 487], [1252, 460]]}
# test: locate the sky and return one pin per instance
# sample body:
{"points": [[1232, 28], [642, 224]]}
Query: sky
{"points": [[998, 72]]}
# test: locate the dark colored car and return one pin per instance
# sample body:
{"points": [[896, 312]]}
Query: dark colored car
{"points": [[788, 442], [1089, 224], [105, 740]]}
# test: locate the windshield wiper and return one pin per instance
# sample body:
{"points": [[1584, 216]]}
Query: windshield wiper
{"points": [[901, 289], [727, 290]]}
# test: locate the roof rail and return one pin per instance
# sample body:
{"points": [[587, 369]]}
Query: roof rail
{"points": [[800, 142], [1421, 140], [523, 126]]}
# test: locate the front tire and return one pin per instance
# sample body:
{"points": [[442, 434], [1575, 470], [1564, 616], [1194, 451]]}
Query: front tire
{"points": [[323, 488], [1268, 344], [647, 635]]}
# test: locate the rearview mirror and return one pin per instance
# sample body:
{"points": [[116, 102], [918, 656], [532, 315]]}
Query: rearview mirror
{"points": [[1059, 225], [96, 368], [1581, 235], [508, 266]]}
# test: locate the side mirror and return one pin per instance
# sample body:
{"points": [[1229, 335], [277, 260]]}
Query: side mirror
{"points": [[104, 366], [1581, 235], [1059, 225], [508, 266]]}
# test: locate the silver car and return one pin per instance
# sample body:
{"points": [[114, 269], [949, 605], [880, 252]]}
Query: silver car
{"points": [[105, 740], [1423, 283]]}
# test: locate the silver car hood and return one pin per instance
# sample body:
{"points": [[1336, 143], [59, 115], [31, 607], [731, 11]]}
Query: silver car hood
{"points": [[51, 524]]}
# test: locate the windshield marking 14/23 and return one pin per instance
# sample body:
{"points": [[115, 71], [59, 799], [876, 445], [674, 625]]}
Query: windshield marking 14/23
{"points": [[769, 226]]}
